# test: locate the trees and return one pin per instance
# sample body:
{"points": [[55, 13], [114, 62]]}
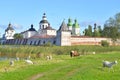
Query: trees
{"points": [[100, 31], [18, 36], [88, 32], [96, 33], [112, 27]]}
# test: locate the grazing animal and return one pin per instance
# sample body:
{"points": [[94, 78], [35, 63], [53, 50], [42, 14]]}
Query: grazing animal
{"points": [[49, 57], [109, 64], [29, 61], [17, 59], [11, 63], [93, 53], [74, 53]]}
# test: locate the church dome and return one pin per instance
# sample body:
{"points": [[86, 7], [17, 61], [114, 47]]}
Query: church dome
{"points": [[76, 25], [32, 29], [44, 19], [69, 22], [9, 27]]}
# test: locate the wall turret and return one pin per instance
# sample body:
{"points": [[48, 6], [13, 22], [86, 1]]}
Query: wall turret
{"points": [[63, 35]]}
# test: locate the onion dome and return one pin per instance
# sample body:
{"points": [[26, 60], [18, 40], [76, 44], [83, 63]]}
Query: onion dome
{"points": [[76, 25], [69, 22], [44, 19], [9, 27], [32, 29]]}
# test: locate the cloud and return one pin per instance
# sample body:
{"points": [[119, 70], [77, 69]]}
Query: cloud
{"points": [[17, 26], [3, 26]]}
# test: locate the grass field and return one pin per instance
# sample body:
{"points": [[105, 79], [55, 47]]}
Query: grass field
{"points": [[63, 67]]}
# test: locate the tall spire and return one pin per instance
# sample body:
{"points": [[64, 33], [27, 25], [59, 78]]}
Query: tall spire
{"points": [[44, 16]]}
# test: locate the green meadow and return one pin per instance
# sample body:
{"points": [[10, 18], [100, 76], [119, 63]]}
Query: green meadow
{"points": [[87, 66]]}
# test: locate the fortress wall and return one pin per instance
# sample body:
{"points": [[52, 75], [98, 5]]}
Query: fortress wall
{"points": [[87, 40]]}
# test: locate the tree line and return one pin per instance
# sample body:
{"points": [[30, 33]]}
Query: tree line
{"points": [[111, 29]]}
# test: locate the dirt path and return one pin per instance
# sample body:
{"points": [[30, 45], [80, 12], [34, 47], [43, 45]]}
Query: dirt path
{"points": [[37, 76]]}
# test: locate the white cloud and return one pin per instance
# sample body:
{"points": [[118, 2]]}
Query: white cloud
{"points": [[3, 26], [17, 26]]}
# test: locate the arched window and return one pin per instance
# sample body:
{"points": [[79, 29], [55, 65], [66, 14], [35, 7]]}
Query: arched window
{"points": [[54, 42], [39, 42], [43, 42], [31, 43], [34, 42]]}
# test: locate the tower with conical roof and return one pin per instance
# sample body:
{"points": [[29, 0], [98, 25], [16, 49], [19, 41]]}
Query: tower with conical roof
{"points": [[63, 35], [9, 32]]}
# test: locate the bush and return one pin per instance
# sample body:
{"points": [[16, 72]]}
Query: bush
{"points": [[48, 44], [104, 43]]}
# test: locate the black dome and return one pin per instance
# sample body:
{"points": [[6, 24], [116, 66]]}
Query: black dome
{"points": [[32, 29], [43, 21]]}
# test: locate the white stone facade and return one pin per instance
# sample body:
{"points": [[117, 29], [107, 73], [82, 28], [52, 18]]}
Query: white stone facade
{"points": [[28, 34], [9, 32]]}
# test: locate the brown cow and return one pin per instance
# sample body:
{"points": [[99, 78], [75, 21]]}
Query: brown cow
{"points": [[74, 53]]}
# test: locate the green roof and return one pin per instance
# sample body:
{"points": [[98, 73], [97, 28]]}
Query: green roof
{"points": [[69, 22], [76, 25]]}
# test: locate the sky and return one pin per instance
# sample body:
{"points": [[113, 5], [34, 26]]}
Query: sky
{"points": [[22, 13]]}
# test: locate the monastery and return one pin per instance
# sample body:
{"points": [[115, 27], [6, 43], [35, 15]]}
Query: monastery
{"points": [[67, 35]]}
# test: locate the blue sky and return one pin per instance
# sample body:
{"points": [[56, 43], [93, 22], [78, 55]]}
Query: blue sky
{"points": [[23, 13]]}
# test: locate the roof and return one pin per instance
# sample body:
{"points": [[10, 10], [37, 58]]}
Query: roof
{"points": [[69, 22], [23, 32], [49, 28], [44, 21], [42, 36], [32, 29], [63, 27], [76, 25]]}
